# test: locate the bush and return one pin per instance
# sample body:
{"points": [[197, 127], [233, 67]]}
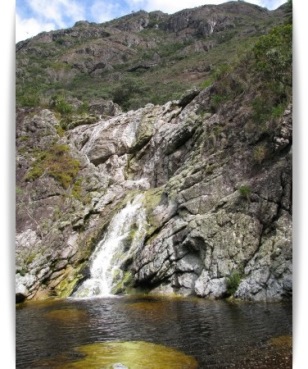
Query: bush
{"points": [[273, 54], [245, 191], [56, 163], [128, 93], [259, 153], [260, 110], [233, 281], [277, 111], [216, 101], [83, 108], [29, 100], [59, 104]]}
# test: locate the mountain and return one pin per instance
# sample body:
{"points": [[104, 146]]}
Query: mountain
{"points": [[139, 58], [154, 154]]}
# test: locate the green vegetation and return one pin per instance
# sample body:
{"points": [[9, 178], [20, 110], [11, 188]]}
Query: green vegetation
{"points": [[273, 66], [245, 191], [124, 282], [30, 99], [56, 163], [83, 108], [233, 281], [59, 104], [77, 189], [67, 66], [71, 121], [259, 153], [273, 55], [263, 72]]}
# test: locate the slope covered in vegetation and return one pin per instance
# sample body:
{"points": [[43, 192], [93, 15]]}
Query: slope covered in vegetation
{"points": [[140, 58]]}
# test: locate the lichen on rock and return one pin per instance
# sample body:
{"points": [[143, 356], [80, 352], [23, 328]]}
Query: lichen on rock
{"points": [[200, 225]]}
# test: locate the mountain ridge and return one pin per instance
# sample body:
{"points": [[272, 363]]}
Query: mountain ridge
{"points": [[144, 52]]}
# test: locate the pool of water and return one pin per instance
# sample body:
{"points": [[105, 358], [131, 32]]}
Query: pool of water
{"points": [[189, 332]]}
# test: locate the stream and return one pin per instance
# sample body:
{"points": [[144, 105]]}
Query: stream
{"points": [[153, 333]]}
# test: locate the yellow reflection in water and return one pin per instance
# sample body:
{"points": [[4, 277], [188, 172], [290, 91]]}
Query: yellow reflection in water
{"points": [[130, 355], [148, 310], [281, 341], [66, 314]]}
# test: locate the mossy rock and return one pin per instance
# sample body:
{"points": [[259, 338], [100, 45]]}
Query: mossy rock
{"points": [[144, 133], [78, 120], [152, 199], [55, 162], [124, 284], [71, 277]]}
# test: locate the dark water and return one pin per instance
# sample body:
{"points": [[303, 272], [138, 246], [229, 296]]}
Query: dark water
{"points": [[219, 334]]}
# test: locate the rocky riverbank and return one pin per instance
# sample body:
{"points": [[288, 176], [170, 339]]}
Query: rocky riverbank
{"points": [[216, 189]]}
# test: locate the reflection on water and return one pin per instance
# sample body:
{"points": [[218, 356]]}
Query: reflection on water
{"points": [[126, 355], [217, 334]]}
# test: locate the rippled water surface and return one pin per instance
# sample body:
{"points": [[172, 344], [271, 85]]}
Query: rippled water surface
{"points": [[193, 333]]}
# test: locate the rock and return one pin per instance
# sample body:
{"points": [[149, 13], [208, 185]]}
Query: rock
{"points": [[199, 224], [21, 293], [206, 286], [24, 284], [20, 297], [104, 107]]}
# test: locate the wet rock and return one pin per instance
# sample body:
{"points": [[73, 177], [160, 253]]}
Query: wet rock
{"points": [[206, 286], [21, 293], [210, 209]]}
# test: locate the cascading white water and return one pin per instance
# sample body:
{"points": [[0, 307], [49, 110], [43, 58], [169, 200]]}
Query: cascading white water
{"points": [[108, 255]]}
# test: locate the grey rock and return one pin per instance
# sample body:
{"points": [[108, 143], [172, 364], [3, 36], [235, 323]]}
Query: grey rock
{"points": [[199, 227], [206, 286]]}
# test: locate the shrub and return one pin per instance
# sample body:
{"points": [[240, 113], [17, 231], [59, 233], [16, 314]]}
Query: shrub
{"points": [[222, 71], [272, 63], [216, 101], [233, 281], [83, 108], [260, 110], [59, 104], [29, 100], [259, 153], [245, 191], [277, 111], [264, 109], [57, 163], [273, 54], [128, 92], [206, 83]]}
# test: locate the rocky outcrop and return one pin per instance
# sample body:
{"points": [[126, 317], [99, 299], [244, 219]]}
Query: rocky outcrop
{"points": [[215, 207]]}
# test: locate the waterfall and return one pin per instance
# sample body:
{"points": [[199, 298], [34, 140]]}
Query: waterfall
{"points": [[124, 235]]}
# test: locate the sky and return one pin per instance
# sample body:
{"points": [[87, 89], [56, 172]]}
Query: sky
{"points": [[35, 16]]}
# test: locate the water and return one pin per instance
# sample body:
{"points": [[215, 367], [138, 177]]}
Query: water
{"points": [[110, 253], [217, 334]]}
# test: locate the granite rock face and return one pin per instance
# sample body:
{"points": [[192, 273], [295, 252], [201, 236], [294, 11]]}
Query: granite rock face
{"points": [[213, 207]]}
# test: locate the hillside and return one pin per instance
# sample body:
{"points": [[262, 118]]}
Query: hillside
{"points": [[140, 58], [191, 194]]}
